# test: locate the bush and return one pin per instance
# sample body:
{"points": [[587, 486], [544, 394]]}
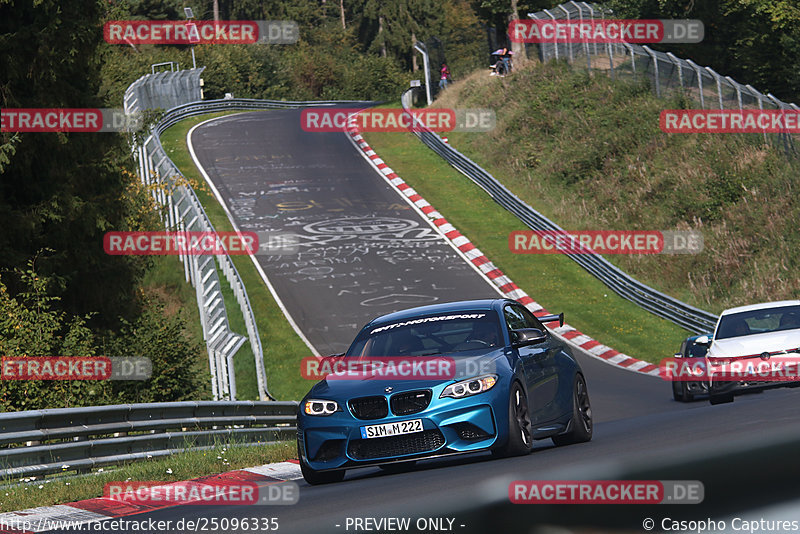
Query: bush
{"points": [[29, 326]]}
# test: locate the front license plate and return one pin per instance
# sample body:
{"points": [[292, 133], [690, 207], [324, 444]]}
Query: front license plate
{"points": [[391, 429]]}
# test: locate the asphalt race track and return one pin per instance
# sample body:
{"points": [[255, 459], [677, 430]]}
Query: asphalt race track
{"points": [[274, 176], [363, 250]]}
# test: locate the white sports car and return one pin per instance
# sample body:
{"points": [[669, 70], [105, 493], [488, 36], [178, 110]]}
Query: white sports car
{"points": [[759, 346]]}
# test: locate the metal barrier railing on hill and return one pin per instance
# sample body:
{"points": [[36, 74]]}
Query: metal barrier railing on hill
{"points": [[662, 305], [79, 439], [184, 212]]}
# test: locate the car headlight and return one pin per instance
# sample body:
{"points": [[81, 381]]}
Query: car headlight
{"points": [[320, 407], [468, 387]]}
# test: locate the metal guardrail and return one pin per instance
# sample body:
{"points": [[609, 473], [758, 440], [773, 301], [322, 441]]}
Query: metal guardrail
{"points": [[80, 439], [184, 212], [662, 305], [188, 214]]}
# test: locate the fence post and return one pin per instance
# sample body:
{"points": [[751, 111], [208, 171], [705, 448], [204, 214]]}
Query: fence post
{"points": [[699, 72], [591, 16], [586, 43], [719, 86], [655, 69], [569, 43], [633, 59], [760, 98], [677, 63], [784, 135], [789, 136], [738, 91], [555, 39]]}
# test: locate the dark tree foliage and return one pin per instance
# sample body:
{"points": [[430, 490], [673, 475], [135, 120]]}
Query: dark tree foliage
{"points": [[62, 191], [756, 42], [59, 194]]}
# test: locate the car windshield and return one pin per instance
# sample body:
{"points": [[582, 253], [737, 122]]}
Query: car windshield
{"points": [[424, 336], [758, 322]]}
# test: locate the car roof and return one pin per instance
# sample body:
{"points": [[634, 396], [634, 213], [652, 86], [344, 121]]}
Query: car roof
{"points": [[762, 306], [445, 307]]}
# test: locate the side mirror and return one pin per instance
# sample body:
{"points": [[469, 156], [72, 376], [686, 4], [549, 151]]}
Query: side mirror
{"points": [[703, 340], [330, 360], [527, 336]]}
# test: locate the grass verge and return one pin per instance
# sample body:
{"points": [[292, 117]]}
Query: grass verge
{"points": [[554, 281], [587, 151], [29, 492]]}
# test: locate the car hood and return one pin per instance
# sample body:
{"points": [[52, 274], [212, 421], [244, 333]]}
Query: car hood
{"points": [[755, 344], [467, 365]]}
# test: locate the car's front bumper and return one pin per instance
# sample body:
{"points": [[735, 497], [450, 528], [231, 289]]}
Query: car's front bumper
{"points": [[449, 427]]}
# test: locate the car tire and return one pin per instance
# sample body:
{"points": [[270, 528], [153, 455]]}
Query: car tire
{"points": [[581, 423], [677, 392], [314, 477], [720, 399], [520, 435], [680, 392]]}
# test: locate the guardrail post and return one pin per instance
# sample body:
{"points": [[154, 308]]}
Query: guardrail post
{"points": [[422, 49]]}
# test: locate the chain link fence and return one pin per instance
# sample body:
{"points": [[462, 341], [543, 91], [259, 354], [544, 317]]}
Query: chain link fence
{"points": [[665, 72]]}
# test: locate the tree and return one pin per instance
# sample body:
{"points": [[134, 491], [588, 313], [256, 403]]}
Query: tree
{"points": [[62, 191]]}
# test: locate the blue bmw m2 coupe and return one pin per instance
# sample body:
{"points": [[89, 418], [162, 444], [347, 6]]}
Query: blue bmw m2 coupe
{"points": [[494, 379]]}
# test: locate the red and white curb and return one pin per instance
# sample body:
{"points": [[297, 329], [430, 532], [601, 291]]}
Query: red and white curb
{"points": [[506, 286], [62, 516]]}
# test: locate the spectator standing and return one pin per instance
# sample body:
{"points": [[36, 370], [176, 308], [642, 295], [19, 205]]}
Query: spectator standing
{"points": [[444, 76]]}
